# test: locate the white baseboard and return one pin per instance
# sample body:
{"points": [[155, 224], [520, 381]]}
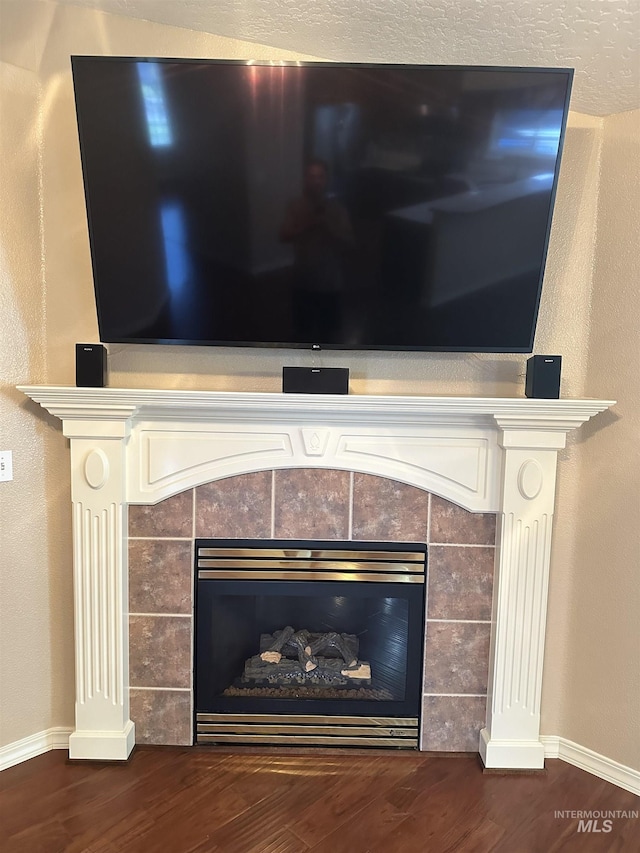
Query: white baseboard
{"points": [[554, 747], [586, 759], [29, 747]]}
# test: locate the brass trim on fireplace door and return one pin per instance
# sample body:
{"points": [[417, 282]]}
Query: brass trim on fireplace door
{"points": [[303, 564], [313, 740], [311, 719], [338, 565], [312, 554], [284, 728], [308, 730], [221, 574]]}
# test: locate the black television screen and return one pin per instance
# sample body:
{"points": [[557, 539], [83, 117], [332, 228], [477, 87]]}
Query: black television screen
{"points": [[319, 204]]}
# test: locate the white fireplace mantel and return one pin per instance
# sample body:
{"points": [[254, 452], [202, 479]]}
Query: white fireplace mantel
{"points": [[485, 454]]}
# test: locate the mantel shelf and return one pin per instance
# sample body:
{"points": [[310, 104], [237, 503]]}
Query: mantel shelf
{"points": [[71, 403]]}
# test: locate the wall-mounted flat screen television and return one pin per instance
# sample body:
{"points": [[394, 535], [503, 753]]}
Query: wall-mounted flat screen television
{"points": [[322, 205]]}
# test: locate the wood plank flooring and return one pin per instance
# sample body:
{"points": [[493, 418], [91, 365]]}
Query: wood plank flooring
{"points": [[208, 800]]}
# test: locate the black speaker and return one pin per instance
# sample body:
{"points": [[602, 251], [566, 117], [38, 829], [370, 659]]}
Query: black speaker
{"points": [[91, 366], [543, 377], [315, 380]]}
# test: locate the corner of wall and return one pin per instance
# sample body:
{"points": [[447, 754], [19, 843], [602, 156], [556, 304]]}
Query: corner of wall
{"points": [[601, 689]]}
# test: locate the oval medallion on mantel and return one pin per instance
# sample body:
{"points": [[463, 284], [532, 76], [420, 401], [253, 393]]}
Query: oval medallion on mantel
{"points": [[530, 479], [96, 468]]}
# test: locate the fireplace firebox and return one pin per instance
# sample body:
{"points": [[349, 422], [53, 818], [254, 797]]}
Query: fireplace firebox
{"points": [[309, 643]]}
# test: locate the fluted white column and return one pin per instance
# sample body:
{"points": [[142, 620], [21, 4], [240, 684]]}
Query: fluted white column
{"points": [[511, 738], [103, 728]]}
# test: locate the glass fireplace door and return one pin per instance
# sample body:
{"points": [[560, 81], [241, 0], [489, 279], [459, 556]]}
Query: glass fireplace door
{"points": [[308, 640]]}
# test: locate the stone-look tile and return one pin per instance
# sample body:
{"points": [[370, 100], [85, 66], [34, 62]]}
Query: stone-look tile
{"points": [[162, 717], [312, 504], [160, 576], [388, 510], [236, 508], [171, 517], [453, 524], [452, 723], [456, 657], [159, 651], [460, 582]]}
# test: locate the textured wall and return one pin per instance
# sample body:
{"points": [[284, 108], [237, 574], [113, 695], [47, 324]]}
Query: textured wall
{"points": [[35, 588], [601, 697], [599, 38], [46, 284]]}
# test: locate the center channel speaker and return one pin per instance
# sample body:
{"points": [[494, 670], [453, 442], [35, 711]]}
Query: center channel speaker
{"points": [[91, 366], [315, 380], [543, 377]]}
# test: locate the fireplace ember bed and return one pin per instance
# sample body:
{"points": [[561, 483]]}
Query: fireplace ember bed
{"points": [[309, 643]]}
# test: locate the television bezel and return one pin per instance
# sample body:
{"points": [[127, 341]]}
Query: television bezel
{"points": [[312, 345]]}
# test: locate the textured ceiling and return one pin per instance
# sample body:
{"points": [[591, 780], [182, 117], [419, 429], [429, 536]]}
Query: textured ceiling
{"points": [[599, 38]]}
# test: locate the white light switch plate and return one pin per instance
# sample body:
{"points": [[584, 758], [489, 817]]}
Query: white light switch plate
{"points": [[6, 465]]}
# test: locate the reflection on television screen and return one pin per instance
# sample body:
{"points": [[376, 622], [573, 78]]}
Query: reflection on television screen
{"points": [[395, 207]]}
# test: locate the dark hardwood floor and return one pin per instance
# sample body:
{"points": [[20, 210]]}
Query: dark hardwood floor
{"points": [[178, 800]]}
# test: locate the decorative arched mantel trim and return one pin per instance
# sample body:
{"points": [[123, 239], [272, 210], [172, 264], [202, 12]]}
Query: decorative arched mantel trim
{"points": [[169, 460]]}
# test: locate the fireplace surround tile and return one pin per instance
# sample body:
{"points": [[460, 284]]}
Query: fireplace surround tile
{"points": [[160, 576], [170, 517], [160, 651], [456, 657], [162, 717], [388, 510], [452, 723], [460, 582], [302, 504], [237, 507], [311, 504], [454, 525]]}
